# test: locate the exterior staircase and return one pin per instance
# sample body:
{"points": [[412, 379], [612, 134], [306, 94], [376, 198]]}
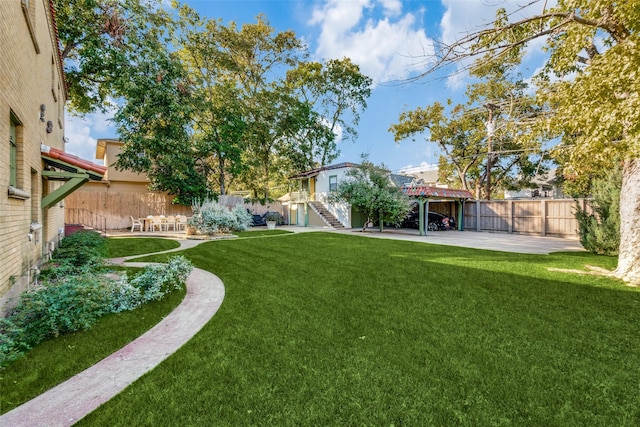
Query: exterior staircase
{"points": [[327, 216]]}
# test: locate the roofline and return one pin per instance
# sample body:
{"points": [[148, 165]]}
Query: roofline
{"points": [[316, 171], [55, 153], [52, 8]]}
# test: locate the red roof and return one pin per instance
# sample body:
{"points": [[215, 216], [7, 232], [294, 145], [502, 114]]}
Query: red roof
{"points": [[446, 193], [56, 154]]}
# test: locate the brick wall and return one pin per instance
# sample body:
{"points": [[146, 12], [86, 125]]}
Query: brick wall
{"points": [[29, 77]]}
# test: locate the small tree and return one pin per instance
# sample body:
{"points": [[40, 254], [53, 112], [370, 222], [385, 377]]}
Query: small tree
{"points": [[600, 230], [370, 190]]}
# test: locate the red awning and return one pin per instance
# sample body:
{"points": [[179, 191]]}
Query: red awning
{"points": [[443, 193], [58, 158]]}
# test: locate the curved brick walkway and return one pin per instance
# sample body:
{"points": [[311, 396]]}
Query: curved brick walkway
{"points": [[68, 402]]}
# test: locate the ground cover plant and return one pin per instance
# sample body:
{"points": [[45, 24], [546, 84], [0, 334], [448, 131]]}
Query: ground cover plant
{"points": [[55, 360], [74, 292], [331, 329]]}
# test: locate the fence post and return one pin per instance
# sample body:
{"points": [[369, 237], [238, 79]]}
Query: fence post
{"points": [[477, 215], [510, 223], [543, 217]]}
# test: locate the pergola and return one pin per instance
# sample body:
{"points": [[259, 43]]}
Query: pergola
{"points": [[424, 193]]}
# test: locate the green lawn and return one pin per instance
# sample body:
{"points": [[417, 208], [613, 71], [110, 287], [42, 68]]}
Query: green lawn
{"points": [[129, 246], [329, 329]]}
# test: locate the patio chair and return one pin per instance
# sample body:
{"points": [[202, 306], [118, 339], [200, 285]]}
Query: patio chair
{"points": [[181, 222], [156, 222], [135, 223], [170, 223], [147, 223]]}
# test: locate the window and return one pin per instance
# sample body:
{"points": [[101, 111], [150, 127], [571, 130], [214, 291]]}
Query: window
{"points": [[333, 183], [53, 80], [15, 160], [29, 10], [13, 155]]}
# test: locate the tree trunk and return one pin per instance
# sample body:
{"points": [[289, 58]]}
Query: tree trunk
{"points": [[221, 177], [629, 253]]}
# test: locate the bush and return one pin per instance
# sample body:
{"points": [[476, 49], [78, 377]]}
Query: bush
{"points": [[209, 217], [69, 305], [159, 279], [78, 254], [75, 293], [81, 249], [12, 343], [274, 216], [600, 231]]}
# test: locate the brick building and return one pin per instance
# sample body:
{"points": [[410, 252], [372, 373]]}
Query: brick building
{"points": [[35, 173]]}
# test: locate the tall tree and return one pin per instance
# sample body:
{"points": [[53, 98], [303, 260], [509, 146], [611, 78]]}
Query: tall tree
{"points": [[337, 92], [487, 142], [99, 39], [155, 125], [218, 122], [590, 81]]}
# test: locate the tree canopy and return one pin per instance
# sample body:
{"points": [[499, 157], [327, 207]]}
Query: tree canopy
{"points": [[487, 142], [589, 82], [204, 107], [102, 38]]}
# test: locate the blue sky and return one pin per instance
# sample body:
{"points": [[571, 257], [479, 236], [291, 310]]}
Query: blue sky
{"points": [[386, 38]]}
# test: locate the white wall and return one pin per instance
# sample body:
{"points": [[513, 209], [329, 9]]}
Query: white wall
{"points": [[342, 211]]}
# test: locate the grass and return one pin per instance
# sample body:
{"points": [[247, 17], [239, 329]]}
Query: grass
{"points": [[129, 246], [261, 233], [56, 360], [328, 329]]}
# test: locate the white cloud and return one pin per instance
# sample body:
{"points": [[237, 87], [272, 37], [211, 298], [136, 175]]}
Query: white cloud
{"points": [[82, 133], [392, 7], [422, 167], [386, 47]]}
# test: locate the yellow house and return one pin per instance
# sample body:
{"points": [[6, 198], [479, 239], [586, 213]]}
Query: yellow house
{"points": [[112, 202], [35, 174]]}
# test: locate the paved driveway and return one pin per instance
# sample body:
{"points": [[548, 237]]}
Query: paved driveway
{"points": [[469, 239]]}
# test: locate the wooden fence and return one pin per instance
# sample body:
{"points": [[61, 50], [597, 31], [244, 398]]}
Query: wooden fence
{"points": [[118, 207], [544, 217]]}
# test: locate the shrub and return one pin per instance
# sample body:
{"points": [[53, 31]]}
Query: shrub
{"points": [[66, 303], [78, 254], [65, 306], [12, 343], [600, 231], [81, 249], [124, 296], [210, 217], [243, 218], [274, 216]]}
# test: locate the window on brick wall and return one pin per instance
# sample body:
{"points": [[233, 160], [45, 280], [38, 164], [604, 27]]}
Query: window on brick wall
{"points": [[15, 159], [29, 11], [13, 154]]}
